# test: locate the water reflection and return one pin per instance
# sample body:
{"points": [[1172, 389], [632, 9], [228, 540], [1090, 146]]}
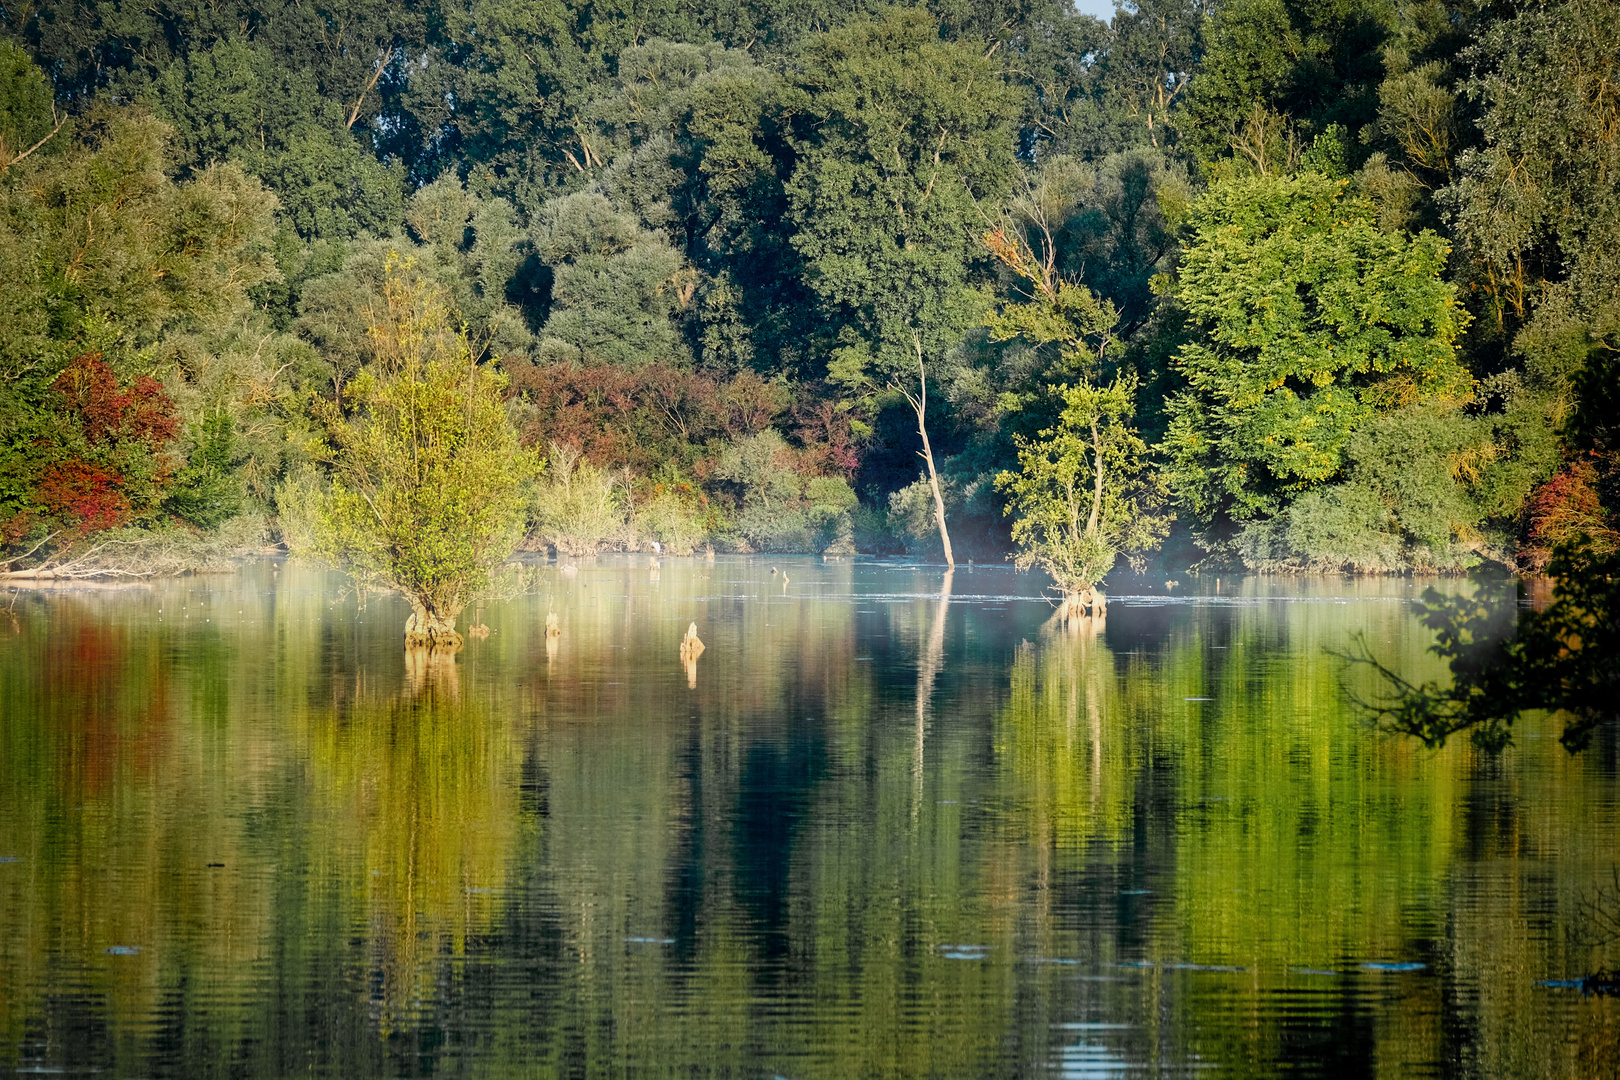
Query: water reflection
{"points": [[897, 825]]}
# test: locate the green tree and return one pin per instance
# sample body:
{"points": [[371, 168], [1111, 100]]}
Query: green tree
{"points": [[900, 136], [28, 117], [1129, 82], [617, 288], [428, 491], [104, 252], [1081, 495], [1278, 74], [1309, 323]]}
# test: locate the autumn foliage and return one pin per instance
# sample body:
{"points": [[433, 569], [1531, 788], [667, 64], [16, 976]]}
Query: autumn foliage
{"points": [[644, 417], [100, 454]]}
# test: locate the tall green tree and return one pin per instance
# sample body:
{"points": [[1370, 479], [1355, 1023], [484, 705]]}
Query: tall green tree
{"points": [[1309, 323], [900, 138], [1277, 74], [1131, 79]]}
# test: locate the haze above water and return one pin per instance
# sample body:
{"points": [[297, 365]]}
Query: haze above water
{"points": [[875, 833]]}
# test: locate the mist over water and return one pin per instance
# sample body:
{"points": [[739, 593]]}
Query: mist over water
{"points": [[890, 825]]}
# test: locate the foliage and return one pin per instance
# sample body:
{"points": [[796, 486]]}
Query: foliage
{"points": [[642, 417], [104, 253], [1275, 76], [1400, 505], [27, 108], [95, 458], [1562, 659], [428, 491], [779, 507], [1080, 497], [1309, 323], [899, 138], [677, 228], [578, 508], [616, 287]]}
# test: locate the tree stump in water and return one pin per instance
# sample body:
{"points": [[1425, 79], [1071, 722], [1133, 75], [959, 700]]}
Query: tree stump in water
{"points": [[691, 647], [553, 626]]}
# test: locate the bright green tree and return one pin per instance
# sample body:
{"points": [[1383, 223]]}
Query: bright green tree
{"points": [[1310, 322], [1082, 493], [428, 489]]}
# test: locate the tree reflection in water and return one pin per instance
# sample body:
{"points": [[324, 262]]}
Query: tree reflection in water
{"points": [[895, 828]]}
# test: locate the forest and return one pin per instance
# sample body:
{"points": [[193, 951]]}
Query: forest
{"points": [[1281, 285]]}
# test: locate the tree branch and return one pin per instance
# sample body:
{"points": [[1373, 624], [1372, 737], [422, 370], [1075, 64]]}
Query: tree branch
{"points": [[354, 114], [5, 165]]}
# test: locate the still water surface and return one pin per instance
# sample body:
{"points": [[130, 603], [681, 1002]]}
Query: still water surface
{"points": [[878, 831]]}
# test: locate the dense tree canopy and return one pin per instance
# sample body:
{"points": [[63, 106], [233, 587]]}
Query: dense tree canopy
{"points": [[1358, 257], [1311, 322]]}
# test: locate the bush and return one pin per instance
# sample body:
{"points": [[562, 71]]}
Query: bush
{"points": [[675, 513], [779, 509], [1402, 506], [578, 509]]}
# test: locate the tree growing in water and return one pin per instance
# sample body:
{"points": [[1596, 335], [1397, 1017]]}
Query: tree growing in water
{"points": [[428, 488], [1082, 494]]}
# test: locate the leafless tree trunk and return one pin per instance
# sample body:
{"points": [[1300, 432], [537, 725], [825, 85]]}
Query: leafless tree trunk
{"points": [[919, 403]]}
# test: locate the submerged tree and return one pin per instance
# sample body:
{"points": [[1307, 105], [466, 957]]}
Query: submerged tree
{"points": [[1082, 494], [428, 488]]}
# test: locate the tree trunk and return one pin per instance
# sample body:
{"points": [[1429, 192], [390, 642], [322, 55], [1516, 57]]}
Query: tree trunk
{"points": [[920, 404], [430, 629], [939, 499]]}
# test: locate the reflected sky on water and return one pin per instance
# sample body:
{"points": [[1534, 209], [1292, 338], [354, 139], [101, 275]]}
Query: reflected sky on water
{"points": [[888, 824]]}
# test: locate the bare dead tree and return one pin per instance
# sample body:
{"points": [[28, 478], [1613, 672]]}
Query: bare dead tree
{"points": [[919, 404]]}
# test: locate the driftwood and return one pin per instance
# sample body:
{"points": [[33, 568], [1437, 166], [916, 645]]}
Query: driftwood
{"points": [[169, 553]]}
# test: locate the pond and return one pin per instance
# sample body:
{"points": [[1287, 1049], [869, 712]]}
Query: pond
{"points": [[878, 829]]}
